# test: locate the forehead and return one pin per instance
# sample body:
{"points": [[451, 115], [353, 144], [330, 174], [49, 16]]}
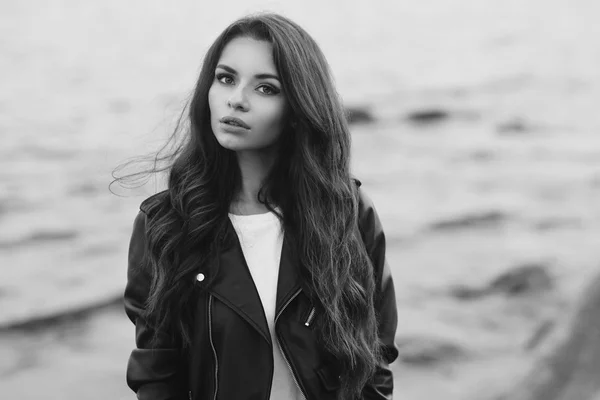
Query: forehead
{"points": [[248, 55]]}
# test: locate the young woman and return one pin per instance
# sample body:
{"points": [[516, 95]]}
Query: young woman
{"points": [[260, 272]]}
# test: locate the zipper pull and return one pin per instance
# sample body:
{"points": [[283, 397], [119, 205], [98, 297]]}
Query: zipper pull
{"points": [[190, 395], [310, 317]]}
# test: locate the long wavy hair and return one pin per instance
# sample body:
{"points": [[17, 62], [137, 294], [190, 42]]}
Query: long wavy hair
{"points": [[310, 188]]}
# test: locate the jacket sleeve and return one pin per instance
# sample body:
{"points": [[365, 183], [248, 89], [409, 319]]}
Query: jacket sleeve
{"points": [[382, 384], [154, 373]]}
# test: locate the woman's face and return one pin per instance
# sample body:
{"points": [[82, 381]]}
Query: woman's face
{"points": [[247, 105]]}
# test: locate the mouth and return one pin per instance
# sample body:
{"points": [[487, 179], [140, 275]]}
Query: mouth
{"points": [[232, 121]]}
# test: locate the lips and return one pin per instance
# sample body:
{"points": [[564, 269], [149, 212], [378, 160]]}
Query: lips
{"points": [[232, 121]]}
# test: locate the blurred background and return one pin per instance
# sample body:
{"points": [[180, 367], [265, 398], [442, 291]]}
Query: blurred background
{"points": [[474, 131]]}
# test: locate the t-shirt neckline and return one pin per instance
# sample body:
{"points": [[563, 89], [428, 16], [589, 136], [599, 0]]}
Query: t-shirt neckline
{"points": [[267, 216]]}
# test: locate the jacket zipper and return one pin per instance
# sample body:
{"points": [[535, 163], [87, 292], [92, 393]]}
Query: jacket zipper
{"points": [[281, 348], [310, 316], [213, 347]]}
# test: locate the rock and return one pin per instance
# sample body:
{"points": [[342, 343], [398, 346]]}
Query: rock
{"points": [[13, 204], [40, 237], [541, 332], [52, 236], [76, 313], [523, 279], [463, 292], [557, 223], [427, 116], [358, 115], [476, 220], [482, 155], [429, 350], [513, 126], [84, 189], [567, 370]]}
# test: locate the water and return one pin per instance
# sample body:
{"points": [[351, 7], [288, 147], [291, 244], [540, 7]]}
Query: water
{"points": [[85, 85]]}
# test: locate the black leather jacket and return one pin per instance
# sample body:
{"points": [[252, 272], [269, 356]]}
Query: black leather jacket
{"points": [[231, 357]]}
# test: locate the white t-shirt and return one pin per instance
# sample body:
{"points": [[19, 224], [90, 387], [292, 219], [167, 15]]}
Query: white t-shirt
{"points": [[261, 238]]}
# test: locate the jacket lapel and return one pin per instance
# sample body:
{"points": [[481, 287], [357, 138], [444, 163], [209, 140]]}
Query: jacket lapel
{"points": [[289, 279], [234, 285]]}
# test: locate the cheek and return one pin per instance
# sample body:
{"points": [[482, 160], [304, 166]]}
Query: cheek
{"points": [[216, 98], [212, 98], [274, 119]]}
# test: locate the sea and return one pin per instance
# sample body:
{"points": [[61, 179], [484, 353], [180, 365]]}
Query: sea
{"points": [[481, 153]]}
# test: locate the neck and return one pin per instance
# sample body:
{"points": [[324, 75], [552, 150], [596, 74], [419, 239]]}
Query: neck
{"points": [[254, 168]]}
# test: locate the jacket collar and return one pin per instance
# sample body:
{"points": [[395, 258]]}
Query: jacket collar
{"points": [[235, 287]]}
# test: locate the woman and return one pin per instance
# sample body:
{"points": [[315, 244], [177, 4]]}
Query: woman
{"points": [[260, 272]]}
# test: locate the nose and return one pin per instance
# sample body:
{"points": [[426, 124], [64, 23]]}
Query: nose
{"points": [[238, 100]]}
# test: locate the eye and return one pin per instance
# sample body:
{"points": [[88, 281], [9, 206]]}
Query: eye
{"points": [[224, 78], [266, 89]]}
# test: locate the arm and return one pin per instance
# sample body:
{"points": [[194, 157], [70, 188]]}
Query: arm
{"points": [[153, 373], [382, 384]]}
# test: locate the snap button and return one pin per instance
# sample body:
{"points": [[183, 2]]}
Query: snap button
{"points": [[200, 277]]}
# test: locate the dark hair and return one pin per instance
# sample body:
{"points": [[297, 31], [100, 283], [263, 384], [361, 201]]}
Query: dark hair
{"points": [[310, 183]]}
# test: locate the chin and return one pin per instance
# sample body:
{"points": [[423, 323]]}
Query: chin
{"points": [[230, 141], [233, 145]]}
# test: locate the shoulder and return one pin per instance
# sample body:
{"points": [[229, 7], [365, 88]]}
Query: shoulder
{"points": [[147, 208], [149, 205], [368, 219], [365, 204]]}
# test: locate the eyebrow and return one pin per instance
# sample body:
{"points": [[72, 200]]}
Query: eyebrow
{"points": [[258, 76]]}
